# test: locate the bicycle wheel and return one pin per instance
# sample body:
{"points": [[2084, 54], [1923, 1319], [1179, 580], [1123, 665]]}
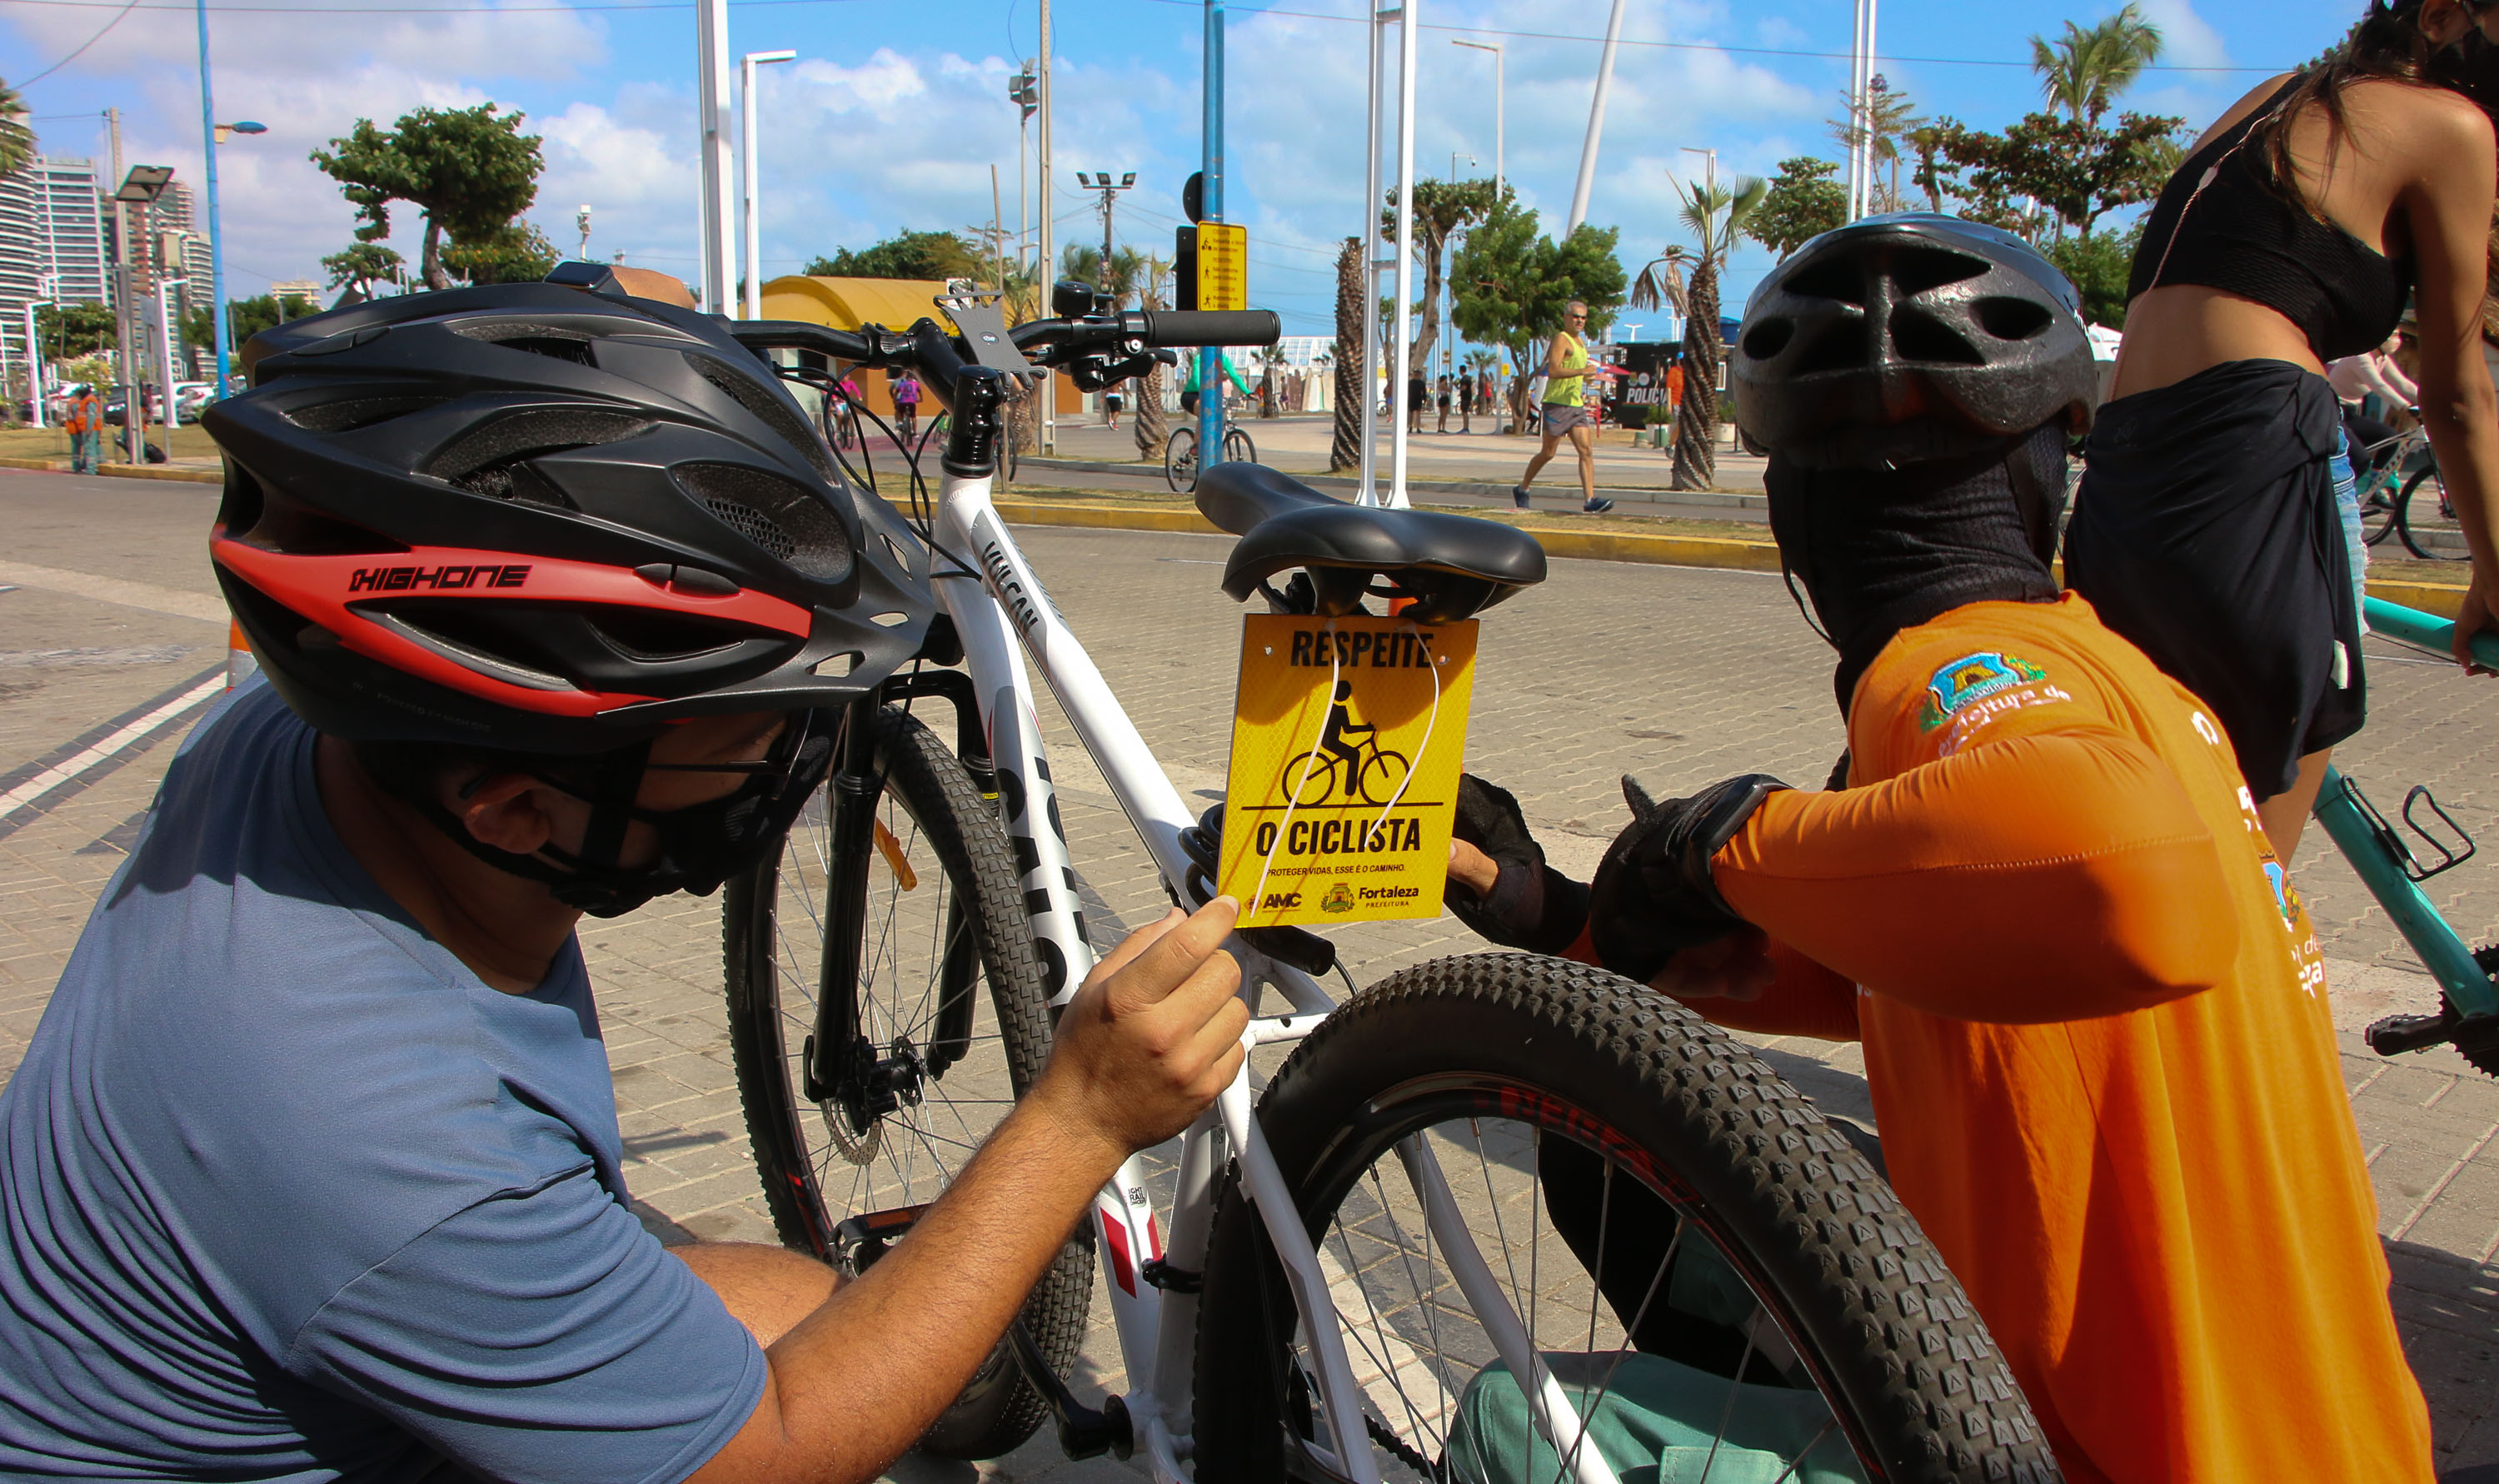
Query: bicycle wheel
{"points": [[943, 914], [1236, 447], [1384, 773], [1179, 460], [1671, 1225], [2377, 512], [1311, 778], [2426, 520]]}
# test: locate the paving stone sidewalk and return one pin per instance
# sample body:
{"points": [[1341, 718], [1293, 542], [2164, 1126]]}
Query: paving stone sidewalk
{"points": [[1680, 676]]}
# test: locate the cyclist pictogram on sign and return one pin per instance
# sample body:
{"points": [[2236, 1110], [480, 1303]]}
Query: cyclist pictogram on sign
{"points": [[1346, 741]]}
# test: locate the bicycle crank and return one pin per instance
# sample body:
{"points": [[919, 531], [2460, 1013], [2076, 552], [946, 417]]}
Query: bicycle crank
{"points": [[2475, 1037]]}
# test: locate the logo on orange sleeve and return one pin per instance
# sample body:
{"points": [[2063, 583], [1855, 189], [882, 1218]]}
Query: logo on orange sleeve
{"points": [[1972, 678]]}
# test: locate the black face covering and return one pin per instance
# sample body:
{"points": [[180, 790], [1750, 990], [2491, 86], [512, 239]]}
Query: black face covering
{"points": [[1880, 550], [700, 846], [2470, 64]]}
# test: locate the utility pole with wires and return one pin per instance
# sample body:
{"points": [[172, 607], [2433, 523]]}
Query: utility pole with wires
{"points": [[1101, 181], [581, 219]]}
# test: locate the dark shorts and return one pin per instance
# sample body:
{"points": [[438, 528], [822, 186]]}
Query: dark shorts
{"points": [[1560, 417], [2205, 531]]}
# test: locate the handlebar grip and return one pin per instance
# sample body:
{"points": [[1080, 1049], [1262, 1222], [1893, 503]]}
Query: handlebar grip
{"points": [[1212, 327]]}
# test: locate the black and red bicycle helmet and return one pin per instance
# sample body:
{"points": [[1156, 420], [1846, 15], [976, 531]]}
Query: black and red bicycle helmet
{"points": [[539, 520], [1908, 338]]}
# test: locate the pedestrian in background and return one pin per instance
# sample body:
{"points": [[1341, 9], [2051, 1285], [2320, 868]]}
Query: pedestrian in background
{"points": [[1417, 394], [1111, 409], [906, 404], [84, 421], [1566, 371], [1466, 403], [1440, 397]]}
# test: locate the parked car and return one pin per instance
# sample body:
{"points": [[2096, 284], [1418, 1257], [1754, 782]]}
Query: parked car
{"points": [[189, 397]]}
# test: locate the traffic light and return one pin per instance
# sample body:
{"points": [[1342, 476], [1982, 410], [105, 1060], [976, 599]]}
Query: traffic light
{"points": [[1025, 89], [1184, 267]]}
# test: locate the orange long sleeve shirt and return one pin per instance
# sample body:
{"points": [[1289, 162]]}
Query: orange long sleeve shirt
{"points": [[2096, 1034]]}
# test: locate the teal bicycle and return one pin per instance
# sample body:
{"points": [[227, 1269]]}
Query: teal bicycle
{"points": [[2468, 1016]]}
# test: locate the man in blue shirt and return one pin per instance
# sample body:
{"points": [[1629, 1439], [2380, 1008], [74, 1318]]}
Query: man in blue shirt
{"points": [[312, 1171]]}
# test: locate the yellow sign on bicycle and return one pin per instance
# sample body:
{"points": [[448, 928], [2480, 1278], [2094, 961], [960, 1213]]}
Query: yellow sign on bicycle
{"points": [[1348, 738]]}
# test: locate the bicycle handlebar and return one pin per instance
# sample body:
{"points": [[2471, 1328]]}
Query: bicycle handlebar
{"points": [[2426, 631], [1044, 341]]}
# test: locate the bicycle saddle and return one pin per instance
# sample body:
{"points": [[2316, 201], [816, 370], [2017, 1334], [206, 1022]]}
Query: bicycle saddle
{"points": [[1453, 567]]}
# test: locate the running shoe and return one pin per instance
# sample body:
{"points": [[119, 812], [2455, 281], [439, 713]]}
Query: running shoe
{"points": [[1518, 495], [1597, 506]]}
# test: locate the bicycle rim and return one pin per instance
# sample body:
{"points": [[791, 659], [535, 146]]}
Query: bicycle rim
{"points": [[1700, 1264], [2427, 522]]}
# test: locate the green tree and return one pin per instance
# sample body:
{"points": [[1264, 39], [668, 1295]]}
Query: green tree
{"points": [[67, 332], [2084, 70], [245, 317], [2099, 267], [363, 267], [1510, 285], [17, 136], [920, 255], [1442, 210], [514, 253], [1804, 202], [470, 170], [1687, 278], [2077, 169]]}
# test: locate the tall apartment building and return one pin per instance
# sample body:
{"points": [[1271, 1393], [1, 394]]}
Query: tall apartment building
{"points": [[55, 243]]}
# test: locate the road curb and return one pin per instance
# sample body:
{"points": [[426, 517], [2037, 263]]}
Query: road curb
{"points": [[124, 470], [2442, 598], [1732, 499]]}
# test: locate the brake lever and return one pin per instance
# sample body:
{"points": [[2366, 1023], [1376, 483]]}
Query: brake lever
{"points": [[1092, 375]]}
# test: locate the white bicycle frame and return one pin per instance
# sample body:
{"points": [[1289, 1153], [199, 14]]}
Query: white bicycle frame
{"points": [[1002, 615]]}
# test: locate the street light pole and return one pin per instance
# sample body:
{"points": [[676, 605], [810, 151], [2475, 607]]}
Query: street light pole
{"points": [[581, 219], [216, 238], [746, 65], [1100, 181], [1210, 360], [711, 68], [1047, 270], [1499, 79]]}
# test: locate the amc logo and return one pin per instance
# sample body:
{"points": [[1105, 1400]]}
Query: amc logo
{"points": [[1277, 901]]}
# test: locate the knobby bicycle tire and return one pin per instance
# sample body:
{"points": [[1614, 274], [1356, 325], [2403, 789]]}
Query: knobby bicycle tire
{"points": [[2427, 487], [1589, 1062], [967, 895]]}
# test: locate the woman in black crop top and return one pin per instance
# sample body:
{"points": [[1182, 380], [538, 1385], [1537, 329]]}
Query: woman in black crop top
{"points": [[2206, 527]]}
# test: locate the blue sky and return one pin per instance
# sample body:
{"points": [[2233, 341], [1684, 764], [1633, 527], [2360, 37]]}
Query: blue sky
{"points": [[896, 111]]}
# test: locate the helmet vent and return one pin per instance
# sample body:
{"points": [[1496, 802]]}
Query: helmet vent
{"points": [[755, 398], [1837, 347], [1920, 336], [1831, 278], [2012, 319], [1915, 271], [796, 524], [1768, 338], [550, 341], [484, 460], [353, 412]]}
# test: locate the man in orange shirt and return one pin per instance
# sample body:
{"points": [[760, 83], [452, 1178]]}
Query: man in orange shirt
{"points": [[83, 421], [2094, 1015]]}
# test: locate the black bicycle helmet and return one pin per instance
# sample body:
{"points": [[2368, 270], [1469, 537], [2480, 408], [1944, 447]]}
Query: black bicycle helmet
{"points": [[1908, 337], [539, 520]]}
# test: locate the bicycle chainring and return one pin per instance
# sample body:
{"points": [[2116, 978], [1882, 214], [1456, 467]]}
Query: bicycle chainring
{"points": [[2482, 1050]]}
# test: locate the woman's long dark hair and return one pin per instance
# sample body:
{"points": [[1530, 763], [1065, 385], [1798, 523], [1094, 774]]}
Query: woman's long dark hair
{"points": [[2385, 44]]}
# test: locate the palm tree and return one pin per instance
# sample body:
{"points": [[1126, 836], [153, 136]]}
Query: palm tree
{"points": [[1345, 447], [1152, 277], [1890, 119], [2084, 70], [16, 137], [1687, 278]]}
